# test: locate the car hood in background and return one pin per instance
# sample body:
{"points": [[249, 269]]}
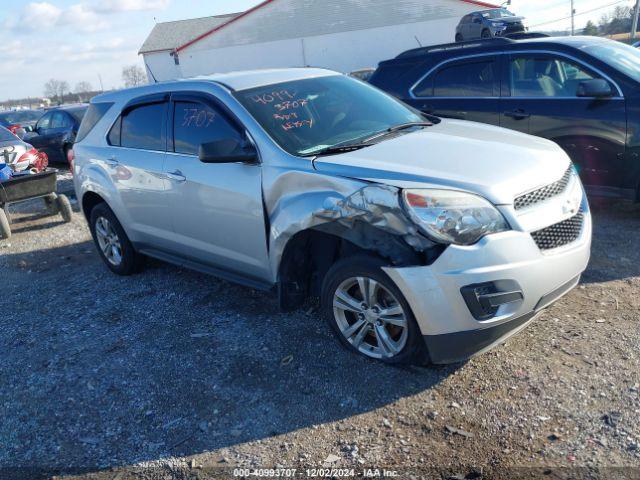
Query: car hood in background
{"points": [[507, 20], [494, 162]]}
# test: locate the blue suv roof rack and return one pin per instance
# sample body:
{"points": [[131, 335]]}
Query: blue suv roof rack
{"points": [[456, 46]]}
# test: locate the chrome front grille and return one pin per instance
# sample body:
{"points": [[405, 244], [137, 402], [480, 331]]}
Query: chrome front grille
{"points": [[560, 234], [544, 193]]}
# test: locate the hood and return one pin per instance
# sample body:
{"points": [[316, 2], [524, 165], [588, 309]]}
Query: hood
{"points": [[507, 20], [494, 162]]}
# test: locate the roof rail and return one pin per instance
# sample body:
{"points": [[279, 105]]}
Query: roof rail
{"points": [[525, 35], [455, 46]]}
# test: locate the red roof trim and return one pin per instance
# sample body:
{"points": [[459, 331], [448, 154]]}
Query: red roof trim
{"points": [[481, 4], [206, 34], [266, 2]]}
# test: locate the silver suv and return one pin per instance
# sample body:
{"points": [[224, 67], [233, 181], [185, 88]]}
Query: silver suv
{"points": [[423, 238]]}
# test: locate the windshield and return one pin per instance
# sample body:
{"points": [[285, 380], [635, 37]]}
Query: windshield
{"points": [[306, 116], [78, 113], [620, 56], [20, 116], [498, 13]]}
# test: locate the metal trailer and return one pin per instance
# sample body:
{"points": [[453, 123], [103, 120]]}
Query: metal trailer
{"points": [[26, 187]]}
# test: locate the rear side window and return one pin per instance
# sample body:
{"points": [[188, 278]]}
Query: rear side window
{"points": [[477, 79], [197, 123], [94, 114], [141, 128]]}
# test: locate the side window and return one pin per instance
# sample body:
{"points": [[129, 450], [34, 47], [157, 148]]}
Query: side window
{"points": [[545, 77], [114, 134], [57, 120], [142, 127], [477, 79], [45, 121], [198, 123]]}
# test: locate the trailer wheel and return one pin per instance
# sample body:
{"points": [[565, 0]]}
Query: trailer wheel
{"points": [[5, 228], [64, 206], [51, 202]]}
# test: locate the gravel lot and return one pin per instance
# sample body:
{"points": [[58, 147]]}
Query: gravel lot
{"points": [[182, 374]]}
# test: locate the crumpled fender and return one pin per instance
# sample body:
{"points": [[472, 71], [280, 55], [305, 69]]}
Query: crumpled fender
{"points": [[301, 200]]}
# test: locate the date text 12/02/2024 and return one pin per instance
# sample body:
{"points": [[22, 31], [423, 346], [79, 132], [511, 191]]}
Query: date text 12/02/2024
{"points": [[315, 473]]}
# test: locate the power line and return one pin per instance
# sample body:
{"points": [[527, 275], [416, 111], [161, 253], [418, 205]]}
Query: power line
{"points": [[578, 14]]}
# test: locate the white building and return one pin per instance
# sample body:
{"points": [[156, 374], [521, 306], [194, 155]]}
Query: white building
{"points": [[342, 35]]}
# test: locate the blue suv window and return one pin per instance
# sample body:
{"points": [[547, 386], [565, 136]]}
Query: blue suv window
{"points": [[477, 79]]}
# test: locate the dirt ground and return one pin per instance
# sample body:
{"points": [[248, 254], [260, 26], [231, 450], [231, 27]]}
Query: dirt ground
{"points": [[174, 374]]}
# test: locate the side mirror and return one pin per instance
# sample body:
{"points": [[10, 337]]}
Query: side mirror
{"points": [[228, 150], [596, 88]]}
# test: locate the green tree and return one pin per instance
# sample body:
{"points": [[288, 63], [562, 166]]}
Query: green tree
{"points": [[590, 29]]}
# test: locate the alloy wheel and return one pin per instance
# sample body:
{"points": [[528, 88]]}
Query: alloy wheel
{"points": [[108, 241], [370, 317]]}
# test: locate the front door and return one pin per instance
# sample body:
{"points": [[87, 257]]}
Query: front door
{"points": [[542, 100], [464, 89], [216, 209]]}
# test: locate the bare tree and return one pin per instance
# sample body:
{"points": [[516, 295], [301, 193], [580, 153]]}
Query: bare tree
{"points": [[56, 89], [83, 87], [133, 75]]}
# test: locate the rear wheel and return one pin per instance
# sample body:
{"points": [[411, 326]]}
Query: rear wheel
{"points": [[368, 312], [486, 33], [112, 242], [458, 37]]}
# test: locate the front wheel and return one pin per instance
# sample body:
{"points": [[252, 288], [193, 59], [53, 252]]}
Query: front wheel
{"points": [[486, 34], [458, 37], [5, 227], [368, 312]]}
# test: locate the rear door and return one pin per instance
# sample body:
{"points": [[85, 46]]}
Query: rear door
{"points": [[135, 163], [467, 88], [217, 209], [541, 98]]}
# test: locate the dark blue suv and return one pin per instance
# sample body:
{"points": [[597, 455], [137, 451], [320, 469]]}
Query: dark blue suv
{"points": [[581, 92]]}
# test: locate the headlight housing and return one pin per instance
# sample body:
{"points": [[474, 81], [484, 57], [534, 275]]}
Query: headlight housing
{"points": [[449, 216]]}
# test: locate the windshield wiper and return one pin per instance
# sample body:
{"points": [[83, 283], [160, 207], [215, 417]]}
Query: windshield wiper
{"points": [[349, 147], [397, 128]]}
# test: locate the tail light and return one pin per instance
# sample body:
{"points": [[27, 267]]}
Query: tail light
{"points": [[14, 128], [71, 156]]}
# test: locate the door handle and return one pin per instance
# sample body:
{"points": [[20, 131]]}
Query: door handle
{"points": [[517, 114], [176, 176], [428, 109]]}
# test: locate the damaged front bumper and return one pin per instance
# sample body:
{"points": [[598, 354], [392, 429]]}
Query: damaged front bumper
{"points": [[525, 281]]}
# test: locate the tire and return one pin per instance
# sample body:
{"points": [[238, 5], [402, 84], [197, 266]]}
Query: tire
{"points": [[459, 37], [51, 203], [5, 228], [121, 258], [64, 207], [361, 329], [486, 34]]}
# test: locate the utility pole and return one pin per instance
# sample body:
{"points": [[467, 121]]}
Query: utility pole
{"points": [[634, 23], [101, 86], [573, 24]]}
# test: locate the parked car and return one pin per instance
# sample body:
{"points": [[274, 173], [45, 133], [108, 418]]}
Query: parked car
{"points": [[495, 22], [580, 92], [363, 74], [18, 155], [415, 232], [14, 120], [56, 130]]}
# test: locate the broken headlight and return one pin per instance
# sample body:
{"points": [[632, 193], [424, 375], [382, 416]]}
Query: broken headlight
{"points": [[449, 216]]}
